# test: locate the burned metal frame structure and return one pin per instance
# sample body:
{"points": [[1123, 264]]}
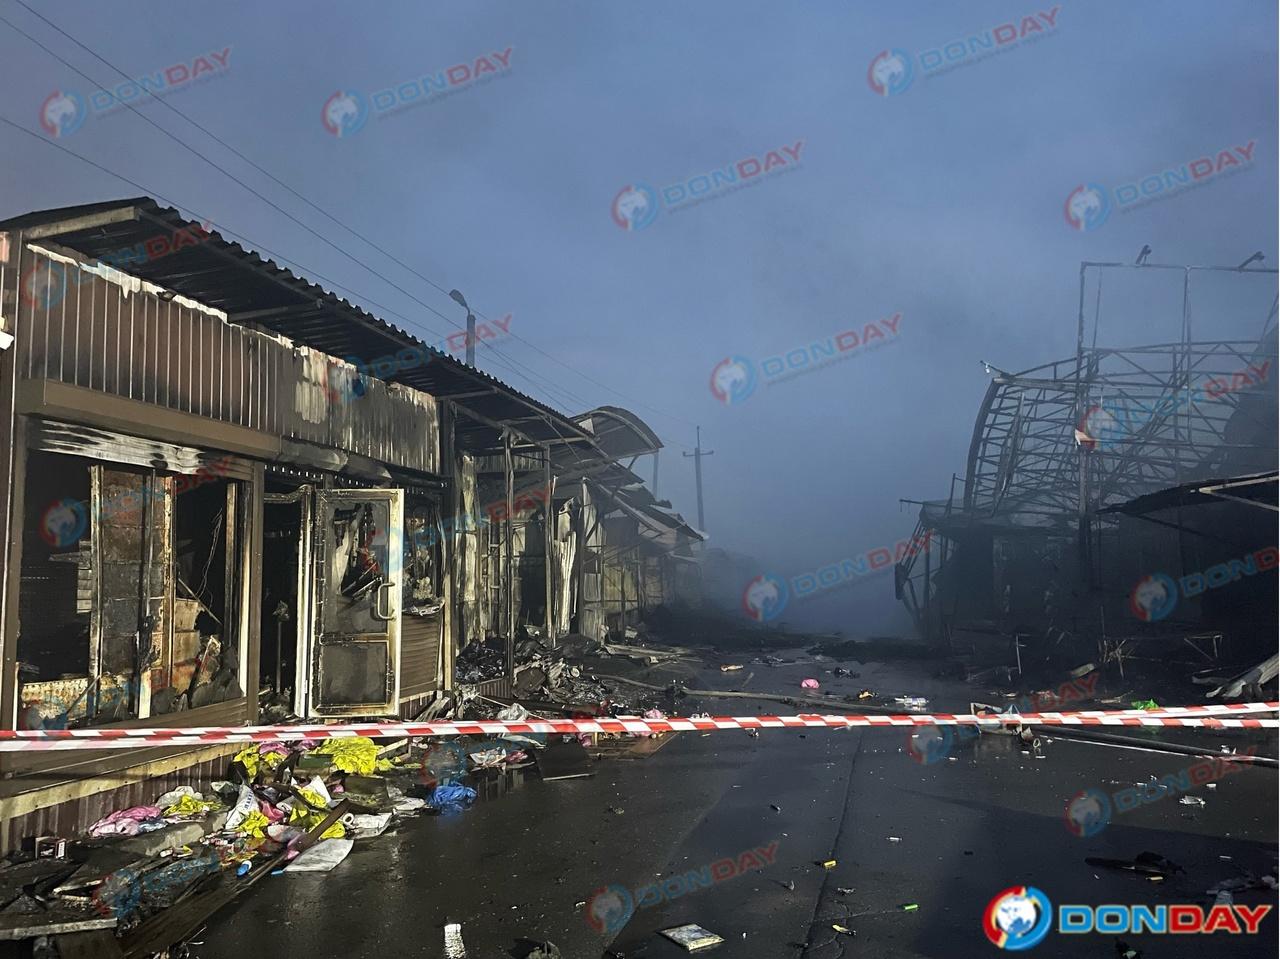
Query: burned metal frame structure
{"points": [[1054, 445]]}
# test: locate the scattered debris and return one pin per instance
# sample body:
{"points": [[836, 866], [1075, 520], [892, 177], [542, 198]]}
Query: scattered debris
{"points": [[808, 684], [730, 668], [453, 945], [1149, 864], [1191, 801], [693, 937]]}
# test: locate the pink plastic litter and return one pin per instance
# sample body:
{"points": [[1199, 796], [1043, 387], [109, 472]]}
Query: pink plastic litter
{"points": [[809, 684]]}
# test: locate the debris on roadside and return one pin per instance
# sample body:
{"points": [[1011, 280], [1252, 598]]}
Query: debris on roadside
{"points": [[1148, 864], [692, 937], [808, 684], [453, 945]]}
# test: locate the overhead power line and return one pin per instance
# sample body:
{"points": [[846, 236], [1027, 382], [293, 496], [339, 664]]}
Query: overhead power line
{"points": [[319, 209]]}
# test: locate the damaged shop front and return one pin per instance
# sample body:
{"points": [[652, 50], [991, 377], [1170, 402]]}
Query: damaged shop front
{"points": [[615, 551], [211, 518], [215, 516]]}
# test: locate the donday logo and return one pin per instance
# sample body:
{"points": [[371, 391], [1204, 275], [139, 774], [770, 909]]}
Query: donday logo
{"points": [[733, 379], [1154, 597], [1088, 813], [62, 113], [64, 522], [634, 206], [43, 285], [930, 744], [344, 113], [765, 597], [609, 908], [442, 763], [1087, 207], [890, 73], [1018, 918]]}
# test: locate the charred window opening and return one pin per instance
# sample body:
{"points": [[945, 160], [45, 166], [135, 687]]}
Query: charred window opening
{"points": [[422, 554], [130, 598], [54, 598]]}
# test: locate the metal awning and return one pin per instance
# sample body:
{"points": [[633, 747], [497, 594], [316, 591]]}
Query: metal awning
{"points": [[259, 294], [1255, 489]]}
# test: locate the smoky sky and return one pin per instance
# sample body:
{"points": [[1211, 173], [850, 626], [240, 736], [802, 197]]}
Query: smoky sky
{"points": [[942, 203]]}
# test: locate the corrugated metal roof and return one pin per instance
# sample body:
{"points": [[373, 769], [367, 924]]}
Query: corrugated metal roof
{"points": [[259, 293]]}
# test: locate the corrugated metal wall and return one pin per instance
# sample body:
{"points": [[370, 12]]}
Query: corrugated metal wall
{"points": [[75, 816], [88, 330]]}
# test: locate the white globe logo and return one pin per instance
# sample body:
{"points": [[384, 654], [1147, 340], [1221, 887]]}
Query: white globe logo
{"points": [[1016, 916]]}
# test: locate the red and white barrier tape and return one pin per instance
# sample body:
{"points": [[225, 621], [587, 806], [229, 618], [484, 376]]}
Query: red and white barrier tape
{"points": [[1213, 717]]}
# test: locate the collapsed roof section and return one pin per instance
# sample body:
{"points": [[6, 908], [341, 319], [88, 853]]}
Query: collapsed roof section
{"points": [[1055, 447], [1135, 420]]}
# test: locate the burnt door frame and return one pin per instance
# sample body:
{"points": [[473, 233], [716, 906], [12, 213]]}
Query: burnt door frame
{"points": [[363, 611]]}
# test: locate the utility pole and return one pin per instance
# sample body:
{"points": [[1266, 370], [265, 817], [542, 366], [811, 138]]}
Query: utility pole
{"points": [[697, 454]]}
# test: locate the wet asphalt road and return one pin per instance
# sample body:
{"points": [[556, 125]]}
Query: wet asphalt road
{"points": [[512, 869]]}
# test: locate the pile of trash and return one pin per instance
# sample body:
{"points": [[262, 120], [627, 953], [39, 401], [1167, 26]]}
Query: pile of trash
{"points": [[481, 661], [284, 807]]}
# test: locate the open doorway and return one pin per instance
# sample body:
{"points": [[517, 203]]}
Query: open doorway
{"points": [[286, 545]]}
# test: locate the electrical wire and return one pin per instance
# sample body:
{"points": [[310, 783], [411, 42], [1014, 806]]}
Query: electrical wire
{"points": [[354, 232], [300, 268], [510, 363]]}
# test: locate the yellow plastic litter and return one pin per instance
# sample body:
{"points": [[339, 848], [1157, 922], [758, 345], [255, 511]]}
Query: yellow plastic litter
{"points": [[252, 760], [190, 806], [308, 819], [255, 824], [356, 754]]}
